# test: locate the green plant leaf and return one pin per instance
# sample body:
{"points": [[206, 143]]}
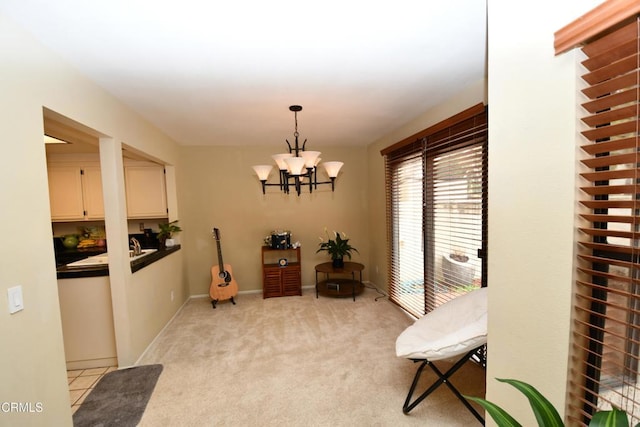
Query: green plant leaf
{"points": [[613, 418], [499, 415], [544, 411]]}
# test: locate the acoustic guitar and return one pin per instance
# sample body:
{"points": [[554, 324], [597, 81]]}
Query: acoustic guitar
{"points": [[223, 285]]}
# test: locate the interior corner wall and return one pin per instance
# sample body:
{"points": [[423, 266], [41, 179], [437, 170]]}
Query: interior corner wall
{"points": [[532, 156]]}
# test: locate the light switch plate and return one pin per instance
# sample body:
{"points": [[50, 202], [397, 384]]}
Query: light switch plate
{"points": [[14, 295]]}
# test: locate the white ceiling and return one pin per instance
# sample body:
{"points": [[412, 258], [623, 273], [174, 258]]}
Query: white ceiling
{"points": [[208, 72]]}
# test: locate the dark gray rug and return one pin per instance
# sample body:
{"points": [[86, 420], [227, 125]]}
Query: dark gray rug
{"points": [[119, 398]]}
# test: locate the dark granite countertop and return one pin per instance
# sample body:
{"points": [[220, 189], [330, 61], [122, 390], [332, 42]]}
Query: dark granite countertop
{"points": [[63, 272]]}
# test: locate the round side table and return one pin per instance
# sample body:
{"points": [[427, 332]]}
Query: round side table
{"points": [[340, 286]]}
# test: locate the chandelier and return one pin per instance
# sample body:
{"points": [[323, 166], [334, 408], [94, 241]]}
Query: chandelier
{"points": [[298, 167]]}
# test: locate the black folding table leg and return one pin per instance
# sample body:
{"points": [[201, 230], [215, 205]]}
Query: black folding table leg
{"points": [[443, 378]]}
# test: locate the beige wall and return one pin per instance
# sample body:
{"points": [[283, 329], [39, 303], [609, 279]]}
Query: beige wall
{"points": [[532, 128], [32, 356], [218, 188]]}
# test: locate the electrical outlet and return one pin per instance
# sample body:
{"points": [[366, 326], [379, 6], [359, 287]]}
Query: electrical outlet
{"points": [[142, 226]]}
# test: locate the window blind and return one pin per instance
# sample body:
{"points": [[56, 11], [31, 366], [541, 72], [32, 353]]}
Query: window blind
{"points": [[405, 205], [606, 322], [436, 211], [455, 190]]}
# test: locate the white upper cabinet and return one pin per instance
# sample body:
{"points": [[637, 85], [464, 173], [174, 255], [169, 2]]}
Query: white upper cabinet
{"points": [[92, 192], [146, 190], [75, 192]]}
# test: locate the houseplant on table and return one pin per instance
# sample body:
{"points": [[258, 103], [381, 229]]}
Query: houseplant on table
{"points": [[166, 231], [337, 248]]}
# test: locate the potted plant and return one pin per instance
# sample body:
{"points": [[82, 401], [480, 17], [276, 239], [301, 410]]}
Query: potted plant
{"points": [[337, 248], [546, 414], [458, 255], [166, 232]]}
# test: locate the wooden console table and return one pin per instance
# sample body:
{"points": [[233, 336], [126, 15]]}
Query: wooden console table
{"points": [[339, 286], [281, 274]]}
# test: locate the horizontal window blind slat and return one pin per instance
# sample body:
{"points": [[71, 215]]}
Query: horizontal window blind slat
{"points": [[611, 130], [613, 70], [609, 332], [628, 219], [608, 204], [610, 233], [618, 307], [603, 274], [621, 320], [605, 42], [620, 159], [612, 85], [607, 175], [589, 286], [610, 189], [623, 48], [614, 115], [609, 247], [611, 102], [602, 147], [602, 260]]}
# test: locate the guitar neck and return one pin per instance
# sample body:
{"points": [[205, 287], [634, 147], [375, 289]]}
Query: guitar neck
{"points": [[220, 262]]}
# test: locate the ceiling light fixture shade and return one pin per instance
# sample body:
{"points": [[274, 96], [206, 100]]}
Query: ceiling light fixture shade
{"points": [[263, 171], [332, 168], [279, 158], [297, 165], [310, 158]]}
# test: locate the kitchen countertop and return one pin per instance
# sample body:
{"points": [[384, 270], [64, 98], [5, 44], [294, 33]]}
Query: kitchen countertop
{"points": [[63, 272]]}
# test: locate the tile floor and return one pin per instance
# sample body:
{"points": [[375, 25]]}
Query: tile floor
{"points": [[82, 381]]}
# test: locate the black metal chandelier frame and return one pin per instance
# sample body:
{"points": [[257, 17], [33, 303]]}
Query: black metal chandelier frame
{"points": [[288, 180]]}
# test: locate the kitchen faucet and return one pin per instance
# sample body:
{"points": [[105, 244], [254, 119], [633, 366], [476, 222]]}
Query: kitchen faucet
{"points": [[137, 249]]}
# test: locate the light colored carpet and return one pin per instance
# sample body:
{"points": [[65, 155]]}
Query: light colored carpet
{"points": [[294, 361]]}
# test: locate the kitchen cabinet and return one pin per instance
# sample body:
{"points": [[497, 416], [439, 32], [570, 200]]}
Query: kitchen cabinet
{"points": [[75, 191], [146, 190], [281, 273]]}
